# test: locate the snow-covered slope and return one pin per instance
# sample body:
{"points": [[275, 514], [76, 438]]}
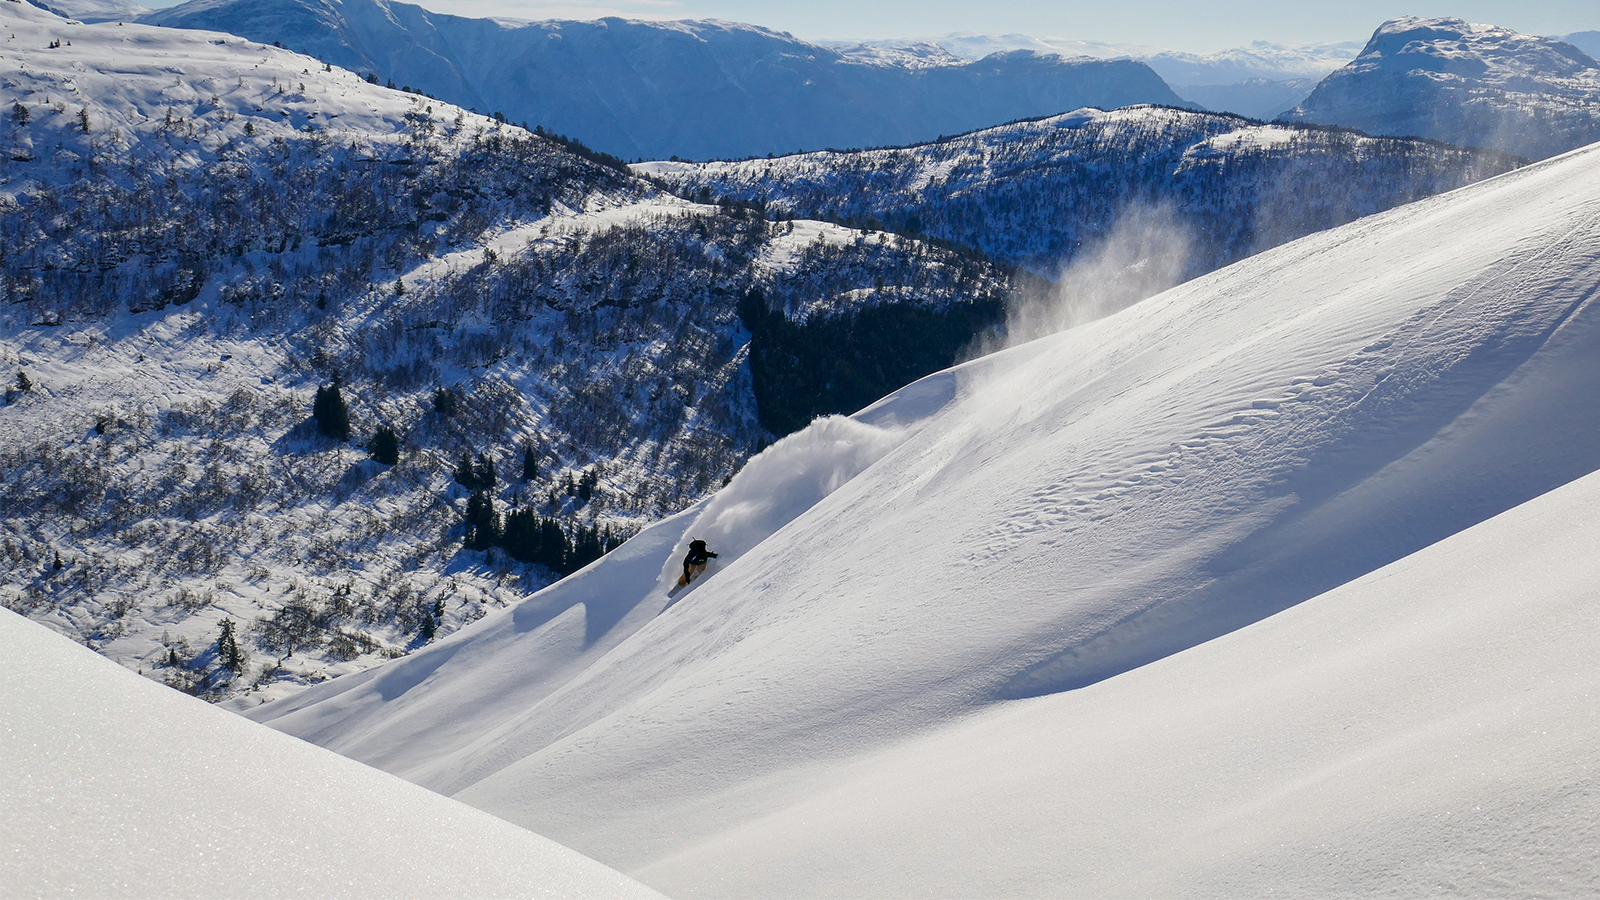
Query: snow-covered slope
{"points": [[1056, 516], [1425, 730], [1038, 194], [117, 787], [1476, 85], [199, 232], [707, 89]]}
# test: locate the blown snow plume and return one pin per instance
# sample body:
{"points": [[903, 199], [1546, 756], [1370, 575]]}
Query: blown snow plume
{"points": [[1146, 252], [780, 483]]}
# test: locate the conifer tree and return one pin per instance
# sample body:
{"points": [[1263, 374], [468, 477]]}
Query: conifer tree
{"points": [[445, 402], [385, 446], [228, 655], [331, 413], [530, 464], [483, 522], [464, 474], [483, 473], [432, 618]]}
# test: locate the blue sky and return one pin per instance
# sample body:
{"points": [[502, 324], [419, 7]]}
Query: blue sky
{"points": [[1171, 24]]}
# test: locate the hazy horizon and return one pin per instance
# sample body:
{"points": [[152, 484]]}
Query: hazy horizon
{"points": [[1157, 24]]}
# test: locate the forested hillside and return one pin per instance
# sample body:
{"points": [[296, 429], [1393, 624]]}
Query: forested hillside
{"points": [[302, 371], [1036, 193]]}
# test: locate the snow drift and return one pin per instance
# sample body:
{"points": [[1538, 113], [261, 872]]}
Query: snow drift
{"points": [[1066, 512], [117, 787]]}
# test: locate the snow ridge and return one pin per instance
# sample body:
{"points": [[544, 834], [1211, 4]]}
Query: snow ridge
{"points": [[116, 787]]}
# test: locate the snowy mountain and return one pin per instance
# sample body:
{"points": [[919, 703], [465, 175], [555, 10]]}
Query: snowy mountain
{"points": [[1587, 41], [1259, 81], [1475, 85], [94, 10], [966, 642], [116, 787], [697, 90], [203, 238], [1260, 59], [1042, 194]]}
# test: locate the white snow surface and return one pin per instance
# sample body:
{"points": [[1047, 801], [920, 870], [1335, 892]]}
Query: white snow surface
{"points": [[114, 786], [1425, 730], [843, 709]]}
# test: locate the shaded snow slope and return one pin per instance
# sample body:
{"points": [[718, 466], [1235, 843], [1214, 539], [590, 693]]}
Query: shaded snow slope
{"points": [[1427, 729], [117, 787], [1081, 506], [1475, 85], [697, 89]]}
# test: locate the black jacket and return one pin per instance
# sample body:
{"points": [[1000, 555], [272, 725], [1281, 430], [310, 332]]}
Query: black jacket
{"points": [[698, 556]]}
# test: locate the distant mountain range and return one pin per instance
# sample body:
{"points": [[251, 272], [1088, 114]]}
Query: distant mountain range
{"points": [[722, 90], [692, 89], [1477, 85], [1259, 80]]}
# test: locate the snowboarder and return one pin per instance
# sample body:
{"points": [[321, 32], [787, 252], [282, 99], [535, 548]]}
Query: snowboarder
{"points": [[695, 562]]}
